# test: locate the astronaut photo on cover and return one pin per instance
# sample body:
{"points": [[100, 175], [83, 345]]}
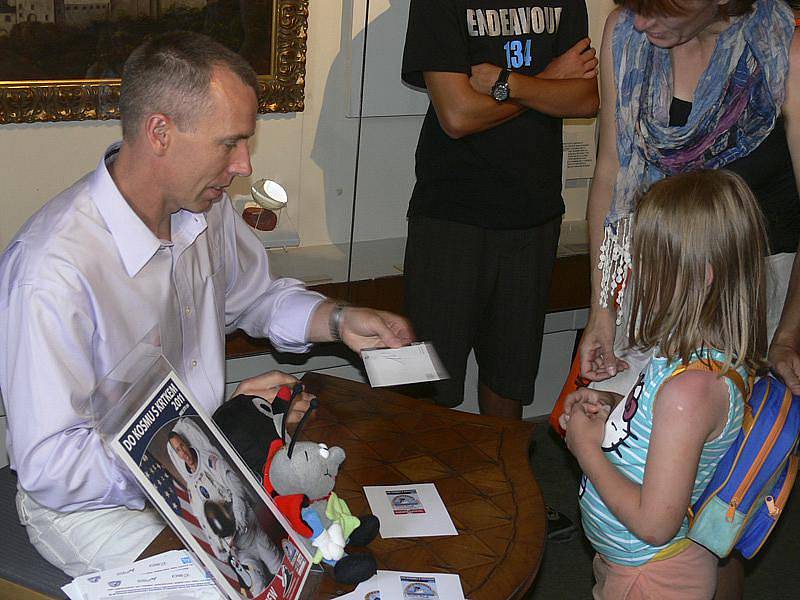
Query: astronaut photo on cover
{"points": [[220, 504]]}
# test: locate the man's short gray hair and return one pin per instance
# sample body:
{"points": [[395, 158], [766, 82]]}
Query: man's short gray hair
{"points": [[171, 74]]}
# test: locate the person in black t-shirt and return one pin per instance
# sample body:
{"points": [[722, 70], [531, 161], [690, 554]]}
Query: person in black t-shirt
{"points": [[485, 214]]}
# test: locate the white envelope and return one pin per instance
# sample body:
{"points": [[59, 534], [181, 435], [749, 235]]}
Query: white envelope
{"points": [[409, 510], [397, 366]]}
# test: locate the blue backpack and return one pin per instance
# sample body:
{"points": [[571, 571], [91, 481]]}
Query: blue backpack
{"points": [[748, 491]]}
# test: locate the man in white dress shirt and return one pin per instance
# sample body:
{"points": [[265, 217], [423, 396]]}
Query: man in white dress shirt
{"points": [[148, 238]]}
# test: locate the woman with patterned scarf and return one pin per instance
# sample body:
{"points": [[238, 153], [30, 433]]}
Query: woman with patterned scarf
{"points": [[693, 84]]}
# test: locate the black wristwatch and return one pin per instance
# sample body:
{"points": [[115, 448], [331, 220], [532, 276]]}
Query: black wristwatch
{"points": [[500, 89]]}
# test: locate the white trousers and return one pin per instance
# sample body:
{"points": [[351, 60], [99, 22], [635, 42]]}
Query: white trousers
{"points": [[88, 541], [779, 269]]}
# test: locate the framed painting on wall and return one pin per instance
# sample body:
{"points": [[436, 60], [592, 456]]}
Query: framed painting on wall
{"points": [[60, 60]]}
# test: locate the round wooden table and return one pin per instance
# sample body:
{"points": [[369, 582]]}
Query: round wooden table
{"points": [[479, 465]]}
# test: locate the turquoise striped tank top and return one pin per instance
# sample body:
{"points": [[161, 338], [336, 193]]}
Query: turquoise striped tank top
{"points": [[626, 441]]}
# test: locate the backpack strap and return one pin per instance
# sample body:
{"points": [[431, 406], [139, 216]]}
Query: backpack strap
{"points": [[714, 366]]}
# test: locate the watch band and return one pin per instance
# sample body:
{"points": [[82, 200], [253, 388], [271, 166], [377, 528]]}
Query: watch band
{"points": [[503, 77], [335, 322]]}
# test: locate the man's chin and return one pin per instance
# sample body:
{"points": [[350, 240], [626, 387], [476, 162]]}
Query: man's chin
{"points": [[209, 198], [214, 193]]}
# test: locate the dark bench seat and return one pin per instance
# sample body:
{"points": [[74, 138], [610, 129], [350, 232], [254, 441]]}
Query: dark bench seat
{"points": [[20, 563]]}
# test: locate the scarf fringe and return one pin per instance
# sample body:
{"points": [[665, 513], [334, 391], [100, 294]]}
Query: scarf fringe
{"points": [[615, 264]]}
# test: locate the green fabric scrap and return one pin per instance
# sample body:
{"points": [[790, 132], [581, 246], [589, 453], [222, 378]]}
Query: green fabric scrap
{"points": [[338, 512]]}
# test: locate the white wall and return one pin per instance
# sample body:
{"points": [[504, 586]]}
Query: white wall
{"points": [[598, 11]]}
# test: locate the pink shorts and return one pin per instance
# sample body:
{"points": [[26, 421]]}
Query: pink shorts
{"points": [[690, 575]]}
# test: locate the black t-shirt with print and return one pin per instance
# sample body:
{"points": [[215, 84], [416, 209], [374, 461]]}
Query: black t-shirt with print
{"points": [[509, 176]]}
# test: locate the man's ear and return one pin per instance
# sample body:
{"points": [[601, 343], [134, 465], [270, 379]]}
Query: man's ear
{"points": [[157, 130], [709, 274]]}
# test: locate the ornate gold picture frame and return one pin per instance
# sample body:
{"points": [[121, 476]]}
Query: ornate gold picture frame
{"points": [[40, 81]]}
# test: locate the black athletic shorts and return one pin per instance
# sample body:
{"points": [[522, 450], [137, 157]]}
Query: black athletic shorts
{"points": [[467, 287]]}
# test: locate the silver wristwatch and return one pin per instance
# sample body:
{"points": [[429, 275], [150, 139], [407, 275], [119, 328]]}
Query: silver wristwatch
{"points": [[500, 89]]}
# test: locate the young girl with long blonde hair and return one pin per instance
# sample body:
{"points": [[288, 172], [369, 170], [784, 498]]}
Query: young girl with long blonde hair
{"points": [[697, 294]]}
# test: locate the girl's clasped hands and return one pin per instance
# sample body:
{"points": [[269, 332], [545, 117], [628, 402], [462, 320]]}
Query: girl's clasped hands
{"points": [[585, 414]]}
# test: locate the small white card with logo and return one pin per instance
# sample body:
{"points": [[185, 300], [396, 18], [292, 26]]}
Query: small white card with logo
{"points": [[413, 510], [400, 585], [397, 366]]}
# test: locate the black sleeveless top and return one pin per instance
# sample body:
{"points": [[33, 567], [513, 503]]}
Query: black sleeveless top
{"points": [[768, 172]]}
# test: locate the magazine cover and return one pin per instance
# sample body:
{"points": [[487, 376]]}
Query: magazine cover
{"points": [[199, 483]]}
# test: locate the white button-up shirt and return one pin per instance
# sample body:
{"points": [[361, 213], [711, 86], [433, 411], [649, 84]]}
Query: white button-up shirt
{"points": [[83, 281]]}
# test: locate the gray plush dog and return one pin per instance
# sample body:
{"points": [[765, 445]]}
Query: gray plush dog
{"points": [[301, 479]]}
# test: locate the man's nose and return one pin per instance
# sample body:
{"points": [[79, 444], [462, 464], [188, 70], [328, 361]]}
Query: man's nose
{"points": [[240, 161]]}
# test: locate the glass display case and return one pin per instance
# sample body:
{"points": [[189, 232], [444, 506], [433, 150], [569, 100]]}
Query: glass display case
{"points": [[349, 200]]}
